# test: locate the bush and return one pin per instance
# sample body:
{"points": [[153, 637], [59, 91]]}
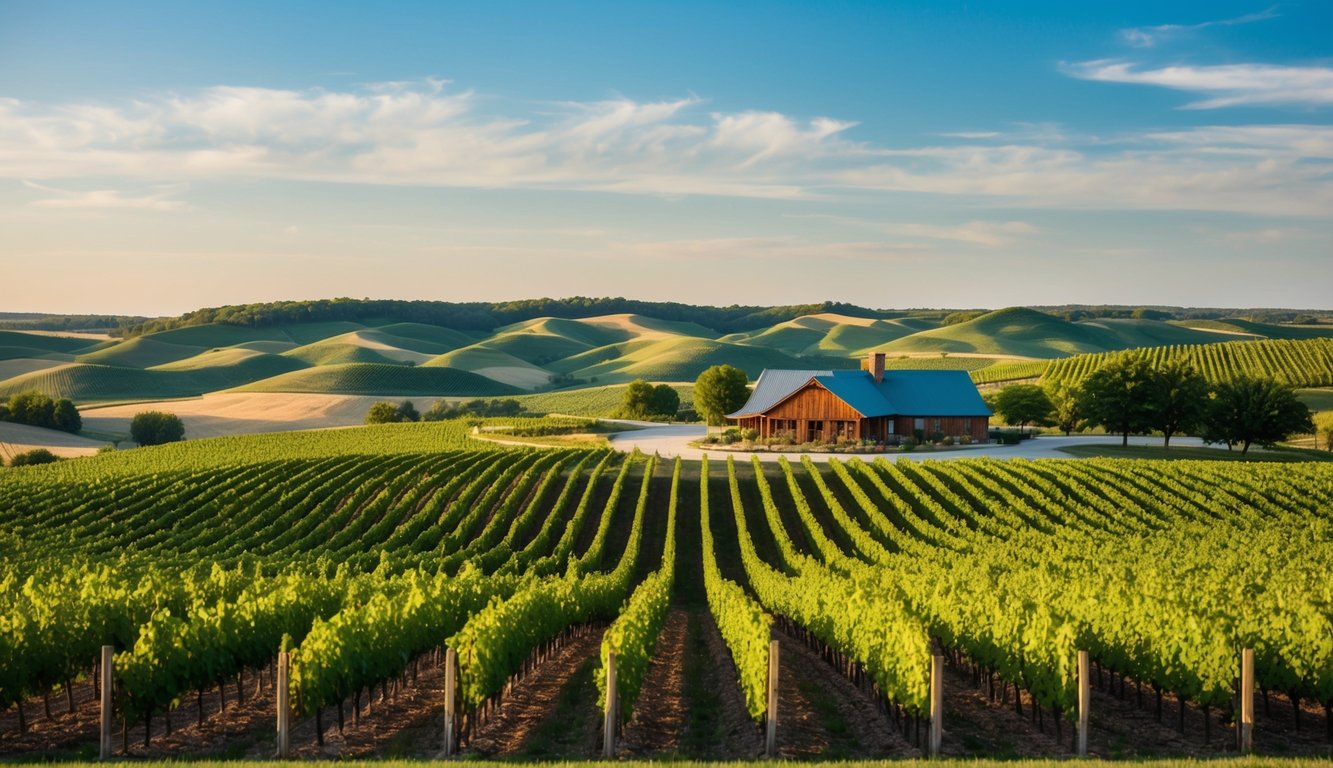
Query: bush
{"points": [[33, 457], [382, 412], [443, 409], [156, 428], [65, 417]]}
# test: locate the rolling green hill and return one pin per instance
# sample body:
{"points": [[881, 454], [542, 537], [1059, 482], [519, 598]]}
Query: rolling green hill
{"points": [[378, 379], [1261, 330], [543, 352], [141, 352], [1028, 333], [43, 342], [494, 364]]}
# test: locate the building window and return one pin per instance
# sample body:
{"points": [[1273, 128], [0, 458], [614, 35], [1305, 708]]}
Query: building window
{"points": [[967, 426], [919, 424], [936, 426]]}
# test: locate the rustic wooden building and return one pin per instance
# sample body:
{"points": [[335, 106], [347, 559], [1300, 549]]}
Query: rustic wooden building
{"points": [[874, 404]]}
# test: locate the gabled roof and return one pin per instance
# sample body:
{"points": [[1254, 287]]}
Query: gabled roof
{"points": [[901, 393]]}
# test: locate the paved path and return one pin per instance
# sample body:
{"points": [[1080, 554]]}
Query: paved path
{"points": [[671, 440]]}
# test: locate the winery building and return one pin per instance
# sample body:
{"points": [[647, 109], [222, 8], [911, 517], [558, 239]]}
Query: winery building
{"points": [[873, 404]]}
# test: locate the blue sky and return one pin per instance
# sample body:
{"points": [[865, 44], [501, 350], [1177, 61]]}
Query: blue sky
{"points": [[157, 157]]}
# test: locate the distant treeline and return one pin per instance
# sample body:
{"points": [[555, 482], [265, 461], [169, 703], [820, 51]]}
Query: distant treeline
{"points": [[28, 321], [487, 316]]}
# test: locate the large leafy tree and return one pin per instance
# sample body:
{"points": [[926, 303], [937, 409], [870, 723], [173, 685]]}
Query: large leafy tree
{"points": [[31, 408], [65, 416], [1066, 415], [1022, 404], [642, 400], [720, 390], [156, 428], [1119, 396], [1252, 411], [1179, 400]]}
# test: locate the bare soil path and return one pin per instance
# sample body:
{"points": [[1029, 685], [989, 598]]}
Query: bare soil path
{"points": [[553, 713]]}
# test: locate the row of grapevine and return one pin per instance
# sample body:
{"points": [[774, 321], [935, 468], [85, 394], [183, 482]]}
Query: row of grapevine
{"points": [[494, 643], [633, 635], [1300, 362]]}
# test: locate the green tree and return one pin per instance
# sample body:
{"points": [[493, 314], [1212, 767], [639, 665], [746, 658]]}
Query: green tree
{"points": [[720, 390], [637, 399], [382, 413], [32, 408], [1323, 427], [1118, 396], [1179, 400], [1023, 403], [33, 457], [156, 428], [64, 416], [645, 401], [406, 411], [1066, 414], [1249, 411], [665, 400]]}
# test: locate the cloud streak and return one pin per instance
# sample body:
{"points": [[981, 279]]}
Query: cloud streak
{"points": [[107, 199], [430, 134], [1225, 85], [1148, 37]]}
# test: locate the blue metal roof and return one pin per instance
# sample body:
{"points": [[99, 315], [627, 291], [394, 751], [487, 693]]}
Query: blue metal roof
{"points": [[932, 393], [858, 390], [901, 393]]}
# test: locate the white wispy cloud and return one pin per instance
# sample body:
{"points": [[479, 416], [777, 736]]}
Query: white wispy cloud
{"points": [[1224, 85], [106, 199], [990, 234], [430, 134], [1147, 37]]}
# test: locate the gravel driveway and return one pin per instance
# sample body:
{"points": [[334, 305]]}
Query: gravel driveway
{"points": [[671, 440]]}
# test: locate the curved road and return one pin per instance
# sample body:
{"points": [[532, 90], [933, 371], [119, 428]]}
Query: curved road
{"points": [[671, 440]]}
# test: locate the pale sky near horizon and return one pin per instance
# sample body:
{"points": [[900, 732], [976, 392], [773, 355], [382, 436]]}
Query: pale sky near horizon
{"points": [[157, 157]]}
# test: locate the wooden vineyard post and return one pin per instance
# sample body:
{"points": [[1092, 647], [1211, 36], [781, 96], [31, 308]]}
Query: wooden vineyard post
{"points": [[450, 702], [1245, 731], [1084, 700], [104, 749], [936, 704], [284, 706], [609, 726], [771, 726]]}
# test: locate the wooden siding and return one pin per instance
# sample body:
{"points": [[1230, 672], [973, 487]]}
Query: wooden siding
{"points": [[813, 402], [949, 426]]}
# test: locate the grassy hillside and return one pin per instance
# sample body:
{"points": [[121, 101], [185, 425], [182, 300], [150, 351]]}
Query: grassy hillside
{"points": [[683, 359], [597, 349], [216, 335], [141, 352], [494, 364], [375, 379], [1261, 330], [43, 342], [84, 383], [1029, 333]]}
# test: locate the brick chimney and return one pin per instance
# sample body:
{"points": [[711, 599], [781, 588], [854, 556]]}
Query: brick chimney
{"points": [[875, 364]]}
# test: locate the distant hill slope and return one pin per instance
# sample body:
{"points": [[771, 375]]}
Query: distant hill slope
{"points": [[1029, 333], [540, 353], [375, 379]]}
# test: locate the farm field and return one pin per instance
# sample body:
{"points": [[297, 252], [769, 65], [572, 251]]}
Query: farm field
{"points": [[367, 550]]}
